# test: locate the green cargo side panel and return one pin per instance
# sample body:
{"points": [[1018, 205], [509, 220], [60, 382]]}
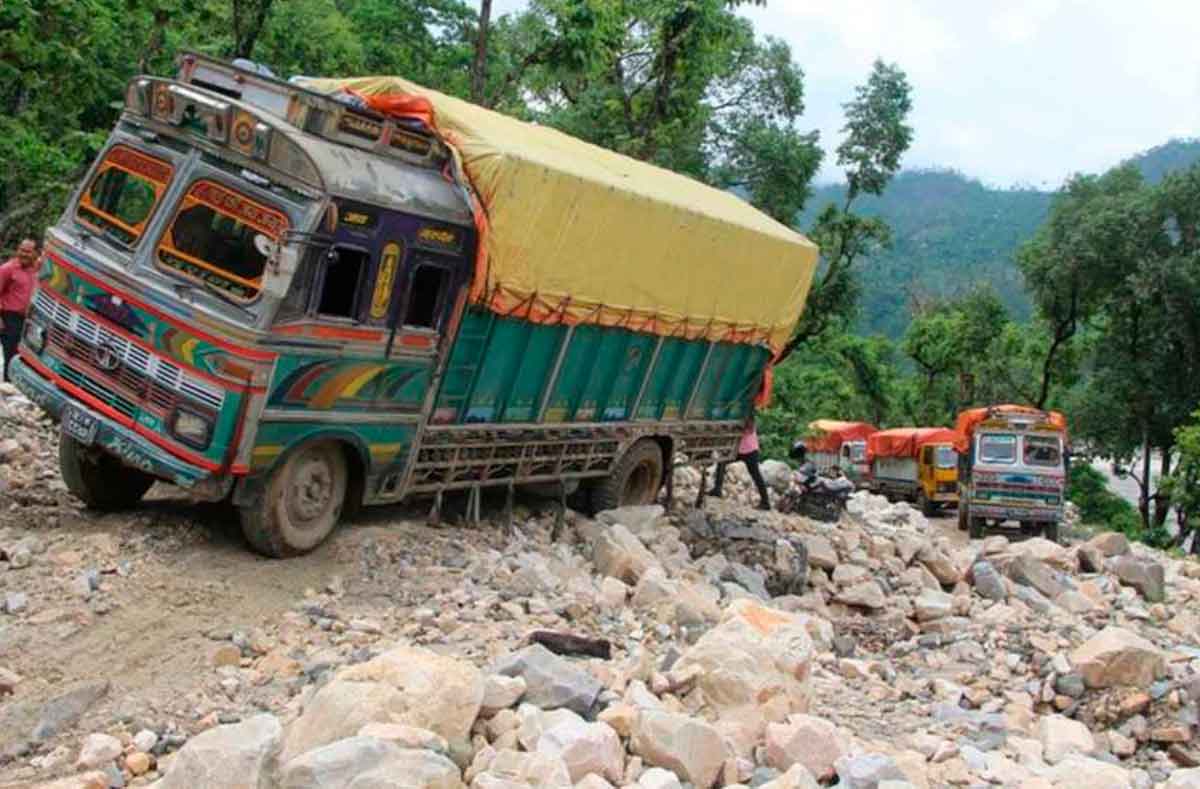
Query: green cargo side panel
{"points": [[500, 368]]}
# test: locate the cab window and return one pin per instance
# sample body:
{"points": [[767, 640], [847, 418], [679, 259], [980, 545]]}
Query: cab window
{"points": [[221, 239], [998, 448], [946, 457], [341, 282], [426, 296], [1042, 451], [123, 193]]}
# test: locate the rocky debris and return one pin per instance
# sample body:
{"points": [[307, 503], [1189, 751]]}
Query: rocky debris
{"points": [[551, 681], [811, 742], [728, 646], [1116, 657], [64, 710], [239, 756], [690, 748], [1144, 575]]}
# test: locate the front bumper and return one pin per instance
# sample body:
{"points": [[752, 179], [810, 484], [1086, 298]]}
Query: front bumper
{"points": [[1001, 512], [129, 448]]}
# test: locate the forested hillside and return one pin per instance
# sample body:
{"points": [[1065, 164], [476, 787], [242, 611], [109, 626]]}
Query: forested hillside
{"points": [[952, 233]]}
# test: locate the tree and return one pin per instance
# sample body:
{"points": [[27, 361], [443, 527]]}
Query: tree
{"points": [[479, 65], [249, 18], [877, 135]]}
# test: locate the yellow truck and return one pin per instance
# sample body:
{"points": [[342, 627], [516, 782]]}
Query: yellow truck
{"points": [[915, 463]]}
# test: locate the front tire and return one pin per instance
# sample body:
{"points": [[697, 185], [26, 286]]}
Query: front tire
{"points": [[927, 507], [634, 480], [978, 528], [302, 503], [964, 517], [99, 480], [1050, 530]]}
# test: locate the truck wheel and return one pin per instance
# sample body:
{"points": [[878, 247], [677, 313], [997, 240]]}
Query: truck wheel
{"points": [[635, 479], [302, 502], [101, 481], [928, 508], [963, 516], [978, 528], [1050, 530]]}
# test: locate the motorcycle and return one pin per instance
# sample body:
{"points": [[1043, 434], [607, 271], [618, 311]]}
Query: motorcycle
{"points": [[810, 495]]}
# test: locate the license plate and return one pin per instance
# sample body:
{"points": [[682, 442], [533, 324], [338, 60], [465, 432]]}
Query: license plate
{"points": [[79, 425]]}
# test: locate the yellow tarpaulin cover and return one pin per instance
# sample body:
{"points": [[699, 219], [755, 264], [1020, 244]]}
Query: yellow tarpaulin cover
{"points": [[579, 234]]}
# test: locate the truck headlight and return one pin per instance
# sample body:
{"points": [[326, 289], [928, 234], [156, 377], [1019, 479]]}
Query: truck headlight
{"points": [[191, 427], [35, 335]]}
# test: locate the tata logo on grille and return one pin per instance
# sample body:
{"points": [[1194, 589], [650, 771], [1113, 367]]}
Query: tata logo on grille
{"points": [[106, 358]]}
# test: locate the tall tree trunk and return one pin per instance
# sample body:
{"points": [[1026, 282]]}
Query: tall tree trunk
{"points": [[479, 67], [1144, 496], [1162, 503], [249, 19]]}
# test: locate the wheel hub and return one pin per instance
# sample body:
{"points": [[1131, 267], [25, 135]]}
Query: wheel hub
{"points": [[312, 490]]}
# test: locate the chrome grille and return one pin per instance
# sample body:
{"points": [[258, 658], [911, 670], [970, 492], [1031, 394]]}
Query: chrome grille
{"points": [[150, 376], [99, 391]]}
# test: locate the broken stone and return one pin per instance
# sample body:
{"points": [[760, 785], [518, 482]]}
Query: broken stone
{"points": [[551, 681], [1115, 657]]}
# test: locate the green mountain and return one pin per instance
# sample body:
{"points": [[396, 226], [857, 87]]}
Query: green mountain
{"points": [[952, 232]]}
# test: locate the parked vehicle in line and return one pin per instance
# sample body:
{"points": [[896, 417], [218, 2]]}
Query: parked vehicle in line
{"points": [[917, 464], [1012, 469], [309, 296], [844, 444]]}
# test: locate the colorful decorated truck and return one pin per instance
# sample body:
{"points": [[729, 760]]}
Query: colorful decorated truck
{"points": [[312, 295], [1012, 468], [843, 444], [918, 464]]}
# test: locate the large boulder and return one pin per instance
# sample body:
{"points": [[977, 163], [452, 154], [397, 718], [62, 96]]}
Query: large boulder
{"points": [[941, 565], [1109, 544], [550, 681], [1034, 573], [362, 762], [754, 666], [338, 710], [806, 740], [930, 605], [1045, 551], [691, 748], [867, 771], [508, 769], [1116, 657], [1144, 575], [820, 552], [1076, 771], [1061, 737], [440, 693], [863, 595], [988, 581], [238, 756], [1184, 779], [618, 553], [585, 748]]}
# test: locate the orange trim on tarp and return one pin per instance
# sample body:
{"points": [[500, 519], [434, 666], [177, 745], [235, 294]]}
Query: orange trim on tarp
{"points": [[828, 435], [968, 420], [899, 442]]}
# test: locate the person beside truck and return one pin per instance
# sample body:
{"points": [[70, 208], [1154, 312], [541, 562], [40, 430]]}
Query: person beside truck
{"points": [[16, 291], [747, 453]]}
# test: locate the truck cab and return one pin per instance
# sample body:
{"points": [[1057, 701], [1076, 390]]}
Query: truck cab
{"points": [[937, 474], [1014, 471]]}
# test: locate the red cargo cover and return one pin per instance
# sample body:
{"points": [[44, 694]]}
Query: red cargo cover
{"points": [[906, 442], [968, 420], [828, 435]]}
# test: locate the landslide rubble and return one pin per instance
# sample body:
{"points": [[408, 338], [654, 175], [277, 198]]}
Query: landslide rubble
{"points": [[743, 649]]}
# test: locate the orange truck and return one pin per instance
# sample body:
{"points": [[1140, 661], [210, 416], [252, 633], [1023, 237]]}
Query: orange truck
{"points": [[833, 443], [918, 464], [1013, 469]]}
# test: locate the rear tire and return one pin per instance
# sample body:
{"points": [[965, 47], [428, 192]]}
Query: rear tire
{"points": [[302, 503], [99, 480], [963, 516], [1050, 531], [635, 479], [978, 528]]}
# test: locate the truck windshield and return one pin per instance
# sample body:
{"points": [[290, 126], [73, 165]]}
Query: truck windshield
{"points": [[946, 457], [123, 193], [222, 239], [1042, 451], [858, 452], [998, 448]]}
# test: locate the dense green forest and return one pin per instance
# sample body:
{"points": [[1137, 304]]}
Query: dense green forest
{"points": [[951, 233]]}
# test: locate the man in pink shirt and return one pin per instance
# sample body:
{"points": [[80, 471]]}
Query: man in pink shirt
{"points": [[16, 290], [748, 454]]}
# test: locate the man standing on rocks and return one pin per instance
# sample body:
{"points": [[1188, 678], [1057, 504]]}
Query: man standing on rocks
{"points": [[748, 454], [16, 289]]}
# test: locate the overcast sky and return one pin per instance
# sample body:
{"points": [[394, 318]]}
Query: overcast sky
{"points": [[1010, 91]]}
